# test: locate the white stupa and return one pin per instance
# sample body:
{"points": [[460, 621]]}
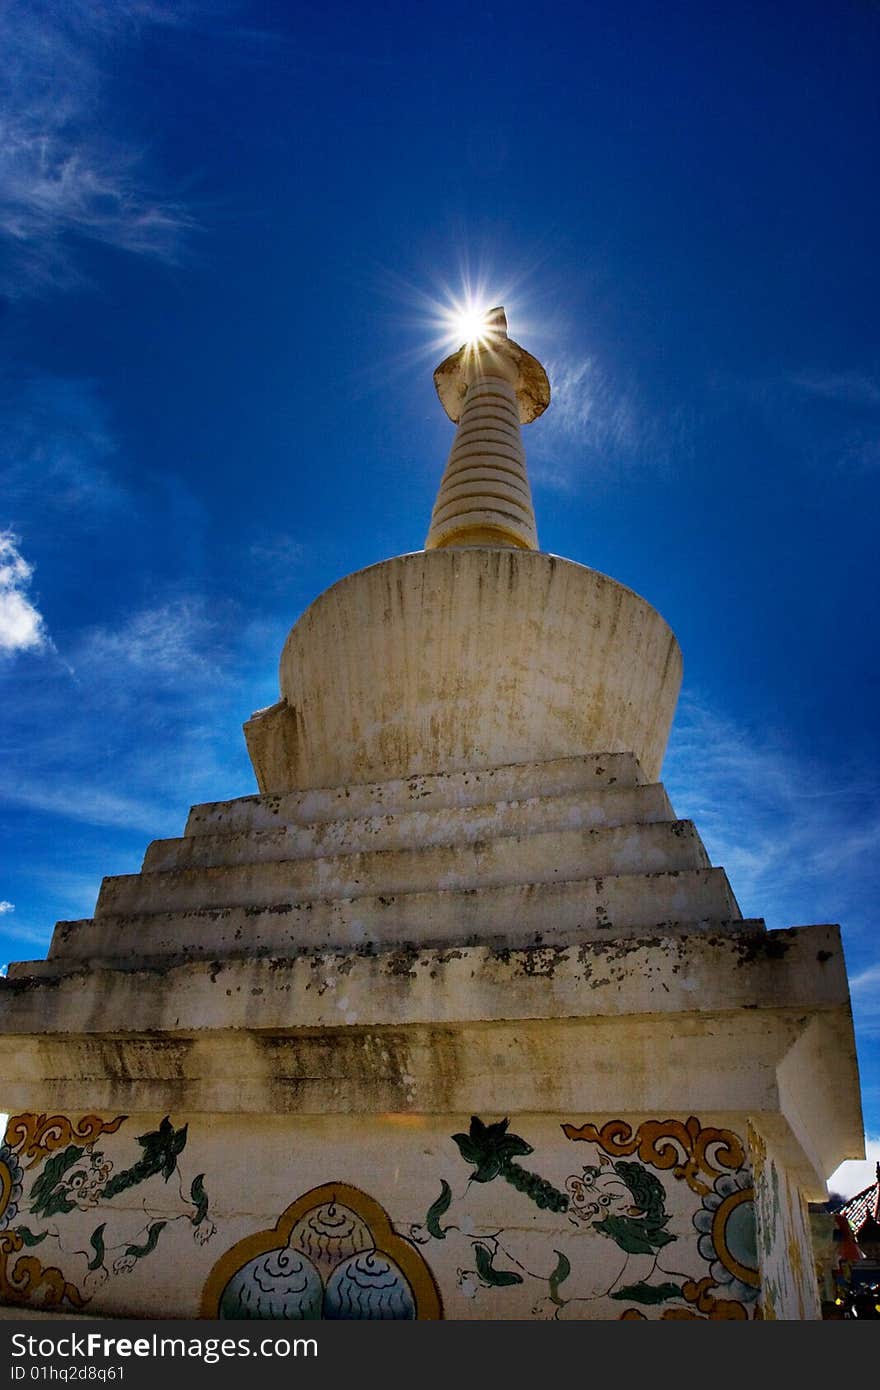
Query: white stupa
{"points": [[454, 1017]]}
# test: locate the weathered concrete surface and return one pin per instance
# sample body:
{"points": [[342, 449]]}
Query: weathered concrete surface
{"points": [[542, 857], [464, 659], [789, 1286], [598, 853], [668, 1023], [667, 975], [588, 778], [599, 908], [413, 830]]}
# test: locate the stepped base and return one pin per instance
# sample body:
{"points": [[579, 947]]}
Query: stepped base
{"points": [[554, 914], [575, 849], [307, 1013]]}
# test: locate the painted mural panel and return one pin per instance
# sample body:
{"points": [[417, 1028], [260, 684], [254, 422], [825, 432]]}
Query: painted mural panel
{"points": [[790, 1284], [628, 1242], [333, 1254], [485, 1216], [61, 1193]]}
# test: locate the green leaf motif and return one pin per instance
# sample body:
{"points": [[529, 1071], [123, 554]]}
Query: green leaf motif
{"points": [[490, 1148], [559, 1275], [161, 1148], [636, 1237], [496, 1278], [45, 1201], [27, 1237], [488, 1169], [648, 1293], [97, 1244], [512, 1146], [467, 1148], [436, 1210], [199, 1198], [149, 1245], [661, 1238]]}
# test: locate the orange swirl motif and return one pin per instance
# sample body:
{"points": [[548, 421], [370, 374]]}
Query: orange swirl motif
{"points": [[687, 1148], [705, 1307], [28, 1276], [36, 1136]]}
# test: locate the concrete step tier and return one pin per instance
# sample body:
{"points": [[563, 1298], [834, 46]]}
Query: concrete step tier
{"points": [[514, 916], [440, 791], [541, 858], [573, 849], [407, 829]]}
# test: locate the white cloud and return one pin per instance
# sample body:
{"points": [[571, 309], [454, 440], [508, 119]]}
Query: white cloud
{"points": [[6, 906], [597, 425], [865, 990], [175, 643], [21, 625], [280, 552], [588, 420], [61, 172], [799, 841], [585, 405], [847, 388], [856, 1174], [87, 802], [866, 980], [57, 450], [138, 720]]}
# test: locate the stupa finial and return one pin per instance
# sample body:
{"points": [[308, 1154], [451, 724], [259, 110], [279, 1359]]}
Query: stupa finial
{"points": [[489, 387]]}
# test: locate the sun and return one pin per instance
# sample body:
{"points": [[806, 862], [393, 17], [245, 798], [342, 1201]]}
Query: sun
{"points": [[463, 318], [467, 322]]}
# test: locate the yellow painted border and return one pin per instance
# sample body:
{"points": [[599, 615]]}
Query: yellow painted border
{"points": [[429, 1307], [6, 1185], [719, 1237]]}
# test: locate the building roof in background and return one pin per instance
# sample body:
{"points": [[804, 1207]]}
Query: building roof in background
{"points": [[864, 1204]]}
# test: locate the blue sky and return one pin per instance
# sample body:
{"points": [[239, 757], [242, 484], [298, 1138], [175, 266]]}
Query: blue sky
{"points": [[225, 231]]}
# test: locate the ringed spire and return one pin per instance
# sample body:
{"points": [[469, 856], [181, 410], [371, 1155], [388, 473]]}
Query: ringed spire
{"points": [[489, 388]]}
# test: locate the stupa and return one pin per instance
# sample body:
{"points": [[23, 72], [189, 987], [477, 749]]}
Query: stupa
{"points": [[454, 1018]]}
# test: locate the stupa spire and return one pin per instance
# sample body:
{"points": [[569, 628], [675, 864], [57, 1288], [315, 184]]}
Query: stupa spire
{"points": [[489, 388]]}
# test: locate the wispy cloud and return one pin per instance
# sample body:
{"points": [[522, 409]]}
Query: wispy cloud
{"points": [[135, 721], [276, 558], [589, 419], [586, 405], [57, 451], [847, 388], [848, 428], [77, 799], [175, 643], [828, 419], [22, 627], [596, 425], [800, 841], [866, 980], [64, 172], [865, 990], [6, 906]]}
